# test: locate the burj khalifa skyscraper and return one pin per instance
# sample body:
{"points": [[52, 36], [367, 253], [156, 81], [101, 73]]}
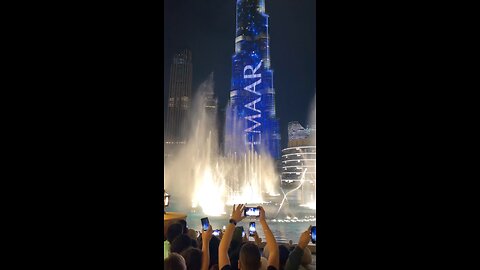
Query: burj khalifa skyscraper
{"points": [[251, 122]]}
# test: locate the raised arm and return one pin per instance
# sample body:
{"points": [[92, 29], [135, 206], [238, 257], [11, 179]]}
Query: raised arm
{"points": [[257, 238], [206, 236], [236, 217], [295, 258], [274, 257]]}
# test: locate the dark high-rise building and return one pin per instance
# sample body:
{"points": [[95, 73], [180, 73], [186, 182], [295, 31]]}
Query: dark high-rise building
{"points": [[210, 101], [179, 99], [250, 118]]}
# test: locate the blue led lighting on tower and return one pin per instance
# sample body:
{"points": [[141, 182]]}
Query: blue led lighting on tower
{"points": [[251, 120]]}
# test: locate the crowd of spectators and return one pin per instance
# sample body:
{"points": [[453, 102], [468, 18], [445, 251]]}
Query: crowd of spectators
{"points": [[187, 249]]}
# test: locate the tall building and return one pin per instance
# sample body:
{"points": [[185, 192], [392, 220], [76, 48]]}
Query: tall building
{"points": [[179, 100], [251, 121], [210, 103]]}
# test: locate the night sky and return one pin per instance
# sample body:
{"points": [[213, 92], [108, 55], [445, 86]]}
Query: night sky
{"points": [[207, 28]]}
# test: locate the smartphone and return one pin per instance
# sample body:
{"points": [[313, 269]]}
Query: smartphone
{"points": [[224, 228], [313, 232], [216, 232], [205, 223], [252, 228], [167, 201], [251, 212]]}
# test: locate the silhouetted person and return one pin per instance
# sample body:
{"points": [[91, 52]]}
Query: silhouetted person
{"points": [[174, 262], [184, 225], [193, 258], [300, 255], [249, 252], [173, 231], [181, 243]]}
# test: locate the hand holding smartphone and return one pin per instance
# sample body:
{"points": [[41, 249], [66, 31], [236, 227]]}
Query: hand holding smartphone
{"points": [[252, 229], [205, 223], [251, 212]]}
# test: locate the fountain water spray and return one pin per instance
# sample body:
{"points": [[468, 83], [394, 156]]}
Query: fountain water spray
{"points": [[201, 177], [286, 194]]}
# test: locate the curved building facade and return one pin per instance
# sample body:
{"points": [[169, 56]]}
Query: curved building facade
{"points": [[295, 162], [299, 163]]}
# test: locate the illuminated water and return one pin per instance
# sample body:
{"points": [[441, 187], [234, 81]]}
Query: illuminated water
{"points": [[203, 182]]}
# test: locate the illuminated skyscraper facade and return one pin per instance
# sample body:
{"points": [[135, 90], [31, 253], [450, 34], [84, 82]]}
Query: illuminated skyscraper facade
{"points": [[178, 99], [251, 121]]}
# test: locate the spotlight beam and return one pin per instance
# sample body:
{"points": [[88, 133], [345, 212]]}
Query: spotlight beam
{"points": [[285, 194]]}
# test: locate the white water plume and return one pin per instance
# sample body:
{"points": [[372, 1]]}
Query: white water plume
{"points": [[200, 177], [302, 180]]}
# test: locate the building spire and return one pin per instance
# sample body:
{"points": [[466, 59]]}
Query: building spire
{"points": [[261, 6]]}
